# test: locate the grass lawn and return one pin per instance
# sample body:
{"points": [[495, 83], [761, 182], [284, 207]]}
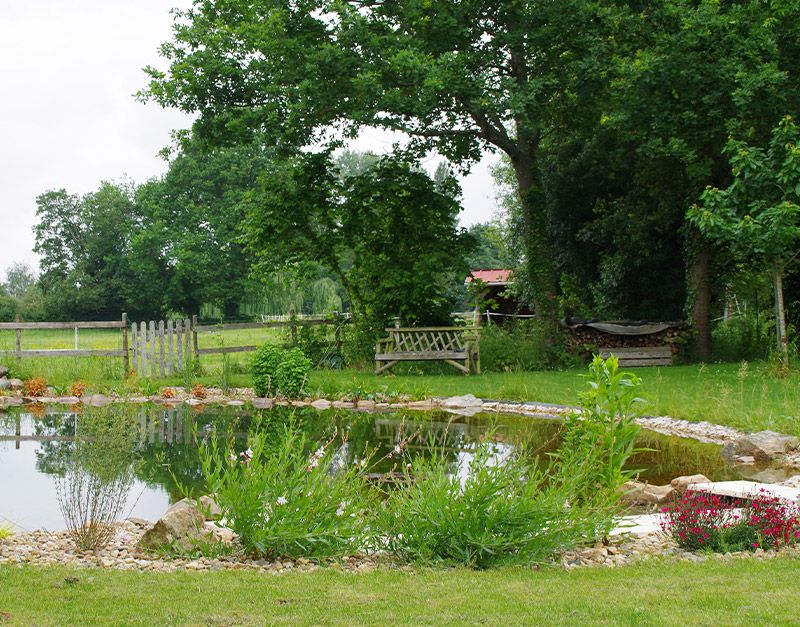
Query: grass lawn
{"points": [[750, 397], [739, 592]]}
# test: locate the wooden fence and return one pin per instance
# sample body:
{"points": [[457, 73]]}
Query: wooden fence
{"points": [[20, 327], [163, 348]]}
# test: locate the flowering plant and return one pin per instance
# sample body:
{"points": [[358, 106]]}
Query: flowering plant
{"points": [[284, 501], [706, 521]]}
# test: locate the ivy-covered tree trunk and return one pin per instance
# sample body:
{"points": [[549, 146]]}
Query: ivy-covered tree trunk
{"points": [[538, 258]]}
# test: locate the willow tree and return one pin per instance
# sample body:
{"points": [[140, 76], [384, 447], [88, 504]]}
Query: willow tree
{"points": [[758, 214]]}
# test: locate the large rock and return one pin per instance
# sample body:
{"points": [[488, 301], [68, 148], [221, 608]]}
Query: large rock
{"points": [[460, 402], [4, 371], [638, 493], [15, 384], [4, 384], [762, 446], [209, 508], [682, 483], [181, 527]]}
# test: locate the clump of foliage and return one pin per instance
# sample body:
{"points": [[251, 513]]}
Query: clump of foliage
{"points": [[283, 501], [264, 365], [167, 393], [497, 510], [5, 533], [278, 371], [292, 372], [78, 388], [199, 391], [519, 347], [35, 387], [699, 521]]}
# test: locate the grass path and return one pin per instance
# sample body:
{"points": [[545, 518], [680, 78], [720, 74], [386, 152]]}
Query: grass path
{"points": [[739, 592]]}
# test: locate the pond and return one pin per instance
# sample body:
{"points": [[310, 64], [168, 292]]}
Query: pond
{"points": [[35, 446]]}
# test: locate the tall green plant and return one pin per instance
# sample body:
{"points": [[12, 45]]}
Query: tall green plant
{"points": [[281, 501], [600, 439]]}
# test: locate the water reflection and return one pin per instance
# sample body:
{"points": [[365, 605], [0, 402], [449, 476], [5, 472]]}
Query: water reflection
{"points": [[35, 449]]}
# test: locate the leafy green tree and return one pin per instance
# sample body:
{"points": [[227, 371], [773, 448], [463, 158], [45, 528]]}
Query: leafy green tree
{"points": [[191, 221], [758, 214], [457, 78], [389, 235]]}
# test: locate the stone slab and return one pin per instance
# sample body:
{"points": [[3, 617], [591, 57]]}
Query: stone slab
{"points": [[745, 489]]}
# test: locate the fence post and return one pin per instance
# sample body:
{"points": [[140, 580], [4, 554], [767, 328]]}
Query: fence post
{"points": [[19, 336], [126, 363], [293, 326], [194, 340]]}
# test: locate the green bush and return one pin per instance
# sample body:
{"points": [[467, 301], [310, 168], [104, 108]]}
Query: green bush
{"points": [[284, 503], [292, 372], [518, 347], [264, 367]]}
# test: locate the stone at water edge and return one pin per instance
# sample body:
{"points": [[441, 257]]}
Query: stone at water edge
{"points": [[763, 446], [321, 403], [15, 384], [180, 526], [4, 384], [457, 402], [262, 403], [4, 371], [638, 493], [682, 483]]}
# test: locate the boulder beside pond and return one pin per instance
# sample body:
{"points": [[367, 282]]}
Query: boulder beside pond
{"points": [[762, 446], [638, 493], [184, 524]]}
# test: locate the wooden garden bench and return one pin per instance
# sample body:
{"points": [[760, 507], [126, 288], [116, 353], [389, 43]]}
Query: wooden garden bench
{"points": [[458, 346]]}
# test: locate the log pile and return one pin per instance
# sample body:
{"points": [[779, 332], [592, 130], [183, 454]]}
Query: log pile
{"points": [[586, 338]]}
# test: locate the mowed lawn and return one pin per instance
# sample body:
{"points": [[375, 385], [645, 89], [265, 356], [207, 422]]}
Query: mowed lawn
{"points": [[736, 592], [749, 396]]}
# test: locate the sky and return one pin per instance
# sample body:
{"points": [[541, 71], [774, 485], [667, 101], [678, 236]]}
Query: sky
{"points": [[68, 118]]}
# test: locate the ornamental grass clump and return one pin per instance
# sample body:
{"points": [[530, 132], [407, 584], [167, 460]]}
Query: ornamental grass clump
{"points": [[699, 521], [289, 500]]}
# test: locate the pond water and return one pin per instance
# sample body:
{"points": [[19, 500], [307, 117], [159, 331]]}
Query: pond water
{"points": [[35, 447]]}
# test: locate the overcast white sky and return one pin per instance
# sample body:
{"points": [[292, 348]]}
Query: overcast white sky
{"points": [[68, 119]]}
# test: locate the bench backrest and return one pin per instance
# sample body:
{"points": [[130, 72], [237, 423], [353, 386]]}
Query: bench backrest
{"points": [[432, 339]]}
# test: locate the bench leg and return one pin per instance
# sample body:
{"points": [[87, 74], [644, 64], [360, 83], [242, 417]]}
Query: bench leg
{"points": [[455, 364], [388, 365]]}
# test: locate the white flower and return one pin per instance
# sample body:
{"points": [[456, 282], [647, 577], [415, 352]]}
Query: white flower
{"points": [[397, 448], [281, 500]]}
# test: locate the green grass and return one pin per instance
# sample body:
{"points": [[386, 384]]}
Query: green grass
{"points": [[740, 592], [750, 398]]}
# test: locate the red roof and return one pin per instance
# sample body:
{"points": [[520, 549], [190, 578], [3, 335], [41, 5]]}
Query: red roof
{"points": [[492, 277]]}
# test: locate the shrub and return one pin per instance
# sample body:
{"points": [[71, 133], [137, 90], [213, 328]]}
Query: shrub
{"points": [[37, 386], [97, 476], [741, 337], [498, 510], [292, 372], [285, 502], [520, 346], [264, 365]]}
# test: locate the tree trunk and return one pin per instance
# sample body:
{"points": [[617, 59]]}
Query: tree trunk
{"points": [[700, 301], [538, 257], [780, 313]]}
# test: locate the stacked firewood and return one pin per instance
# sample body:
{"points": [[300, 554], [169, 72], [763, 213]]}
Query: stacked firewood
{"points": [[582, 338]]}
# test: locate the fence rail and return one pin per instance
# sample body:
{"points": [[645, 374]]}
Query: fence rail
{"points": [[20, 326]]}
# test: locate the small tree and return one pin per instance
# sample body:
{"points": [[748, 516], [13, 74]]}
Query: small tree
{"points": [[758, 214]]}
